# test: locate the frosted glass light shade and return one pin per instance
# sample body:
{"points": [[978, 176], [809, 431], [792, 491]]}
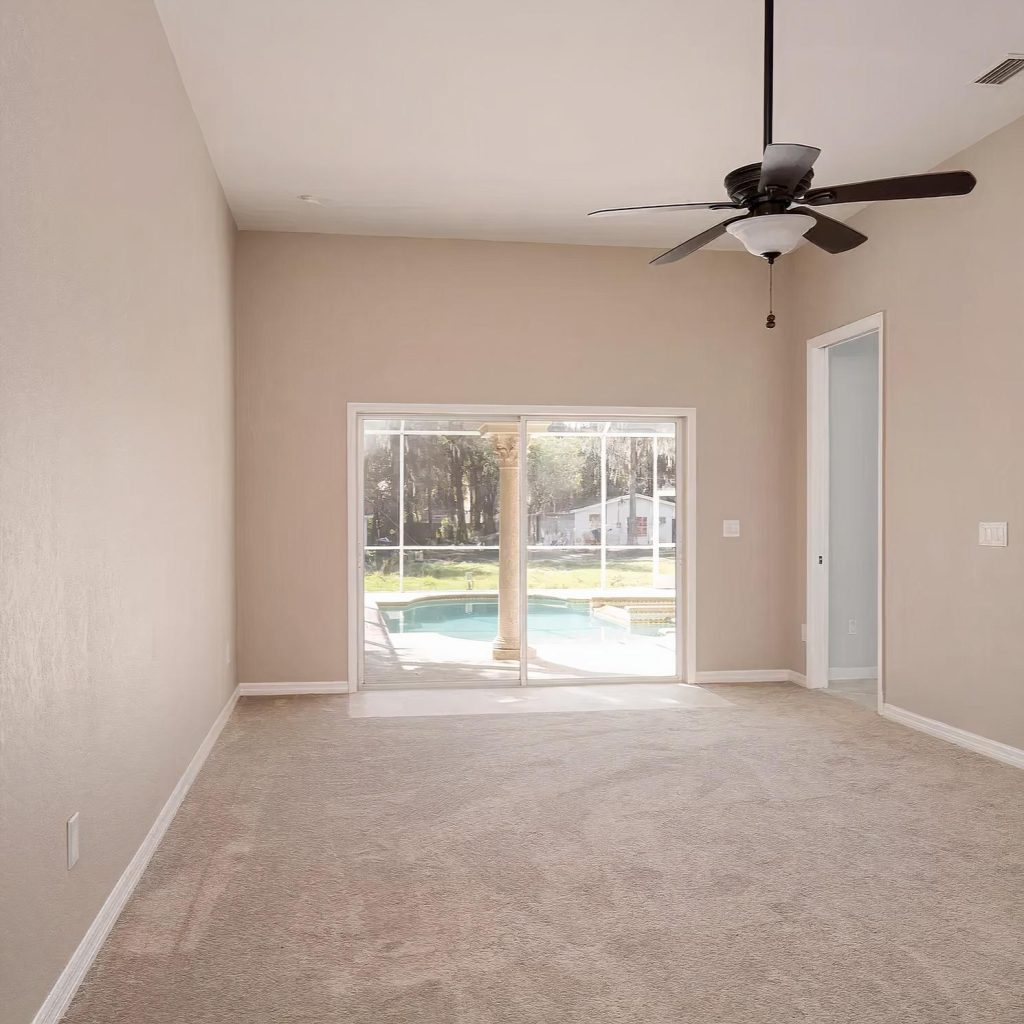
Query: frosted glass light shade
{"points": [[776, 232]]}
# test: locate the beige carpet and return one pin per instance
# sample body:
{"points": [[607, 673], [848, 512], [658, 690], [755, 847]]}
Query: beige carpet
{"points": [[791, 859]]}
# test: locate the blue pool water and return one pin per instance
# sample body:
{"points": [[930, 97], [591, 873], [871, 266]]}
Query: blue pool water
{"points": [[547, 619]]}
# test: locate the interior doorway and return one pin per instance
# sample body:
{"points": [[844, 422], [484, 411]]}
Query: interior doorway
{"points": [[844, 553], [503, 546]]}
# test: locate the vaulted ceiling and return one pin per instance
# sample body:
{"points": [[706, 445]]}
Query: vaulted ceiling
{"points": [[495, 120]]}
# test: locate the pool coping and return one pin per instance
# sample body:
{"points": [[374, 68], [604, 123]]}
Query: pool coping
{"points": [[625, 610]]}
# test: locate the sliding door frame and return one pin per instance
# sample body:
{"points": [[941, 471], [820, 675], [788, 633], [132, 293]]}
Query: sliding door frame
{"points": [[685, 420]]}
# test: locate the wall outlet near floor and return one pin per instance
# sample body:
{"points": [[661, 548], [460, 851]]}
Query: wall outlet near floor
{"points": [[72, 840], [730, 527], [992, 535], [851, 627]]}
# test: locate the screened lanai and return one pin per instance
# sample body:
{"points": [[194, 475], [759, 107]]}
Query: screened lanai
{"points": [[464, 516]]}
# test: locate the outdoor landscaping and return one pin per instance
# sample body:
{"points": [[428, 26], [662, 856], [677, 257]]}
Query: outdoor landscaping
{"points": [[558, 571]]}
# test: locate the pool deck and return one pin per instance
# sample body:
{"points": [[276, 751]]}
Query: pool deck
{"points": [[421, 658]]}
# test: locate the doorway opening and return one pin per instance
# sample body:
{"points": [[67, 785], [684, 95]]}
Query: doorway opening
{"points": [[503, 546], [844, 553]]}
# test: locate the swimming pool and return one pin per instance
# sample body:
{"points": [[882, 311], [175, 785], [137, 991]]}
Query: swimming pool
{"points": [[547, 620]]}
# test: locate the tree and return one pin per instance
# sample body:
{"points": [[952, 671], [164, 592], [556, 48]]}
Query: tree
{"points": [[380, 486]]}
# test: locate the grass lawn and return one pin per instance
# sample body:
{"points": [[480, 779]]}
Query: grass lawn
{"points": [[572, 570]]}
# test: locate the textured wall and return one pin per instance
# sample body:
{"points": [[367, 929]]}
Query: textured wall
{"points": [[948, 274], [324, 320], [116, 594]]}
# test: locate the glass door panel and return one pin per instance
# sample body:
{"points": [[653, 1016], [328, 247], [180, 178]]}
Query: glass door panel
{"points": [[433, 535], [600, 560]]}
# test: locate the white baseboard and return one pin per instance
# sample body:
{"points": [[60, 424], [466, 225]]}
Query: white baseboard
{"points": [[748, 675], [286, 689], [961, 737], [863, 672], [797, 677], [82, 959]]}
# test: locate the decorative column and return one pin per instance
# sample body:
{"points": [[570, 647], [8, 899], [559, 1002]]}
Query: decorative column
{"points": [[506, 644]]}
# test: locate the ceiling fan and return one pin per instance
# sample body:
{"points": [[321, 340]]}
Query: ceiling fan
{"points": [[781, 206]]}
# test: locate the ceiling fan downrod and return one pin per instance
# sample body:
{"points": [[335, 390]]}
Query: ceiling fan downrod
{"points": [[769, 76], [769, 68]]}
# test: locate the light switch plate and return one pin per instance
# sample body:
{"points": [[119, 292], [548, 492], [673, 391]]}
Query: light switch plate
{"points": [[992, 535], [72, 840], [730, 527]]}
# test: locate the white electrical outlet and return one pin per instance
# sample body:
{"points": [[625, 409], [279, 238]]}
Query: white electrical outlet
{"points": [[851, 627], [730, 527], [72, 840], [992, 535]]}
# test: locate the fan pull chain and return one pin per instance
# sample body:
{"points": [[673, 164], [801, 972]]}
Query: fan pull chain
{"points": [[770, 322]]}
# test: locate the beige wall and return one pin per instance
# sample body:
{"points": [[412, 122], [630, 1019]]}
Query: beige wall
{"points": [[116, 537], [115, 461], [949, 275], [324, 320]]}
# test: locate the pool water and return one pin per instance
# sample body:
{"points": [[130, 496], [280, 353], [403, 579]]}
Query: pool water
{"points": [[547, 620]]}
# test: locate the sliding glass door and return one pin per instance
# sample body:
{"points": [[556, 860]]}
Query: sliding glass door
{"points": [[601, 549], [505, 549]]}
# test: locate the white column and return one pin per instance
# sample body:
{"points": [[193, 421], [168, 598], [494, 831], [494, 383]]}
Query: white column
{"points": [[506, 644], [401, 507], [654, 528], [604, 509]]}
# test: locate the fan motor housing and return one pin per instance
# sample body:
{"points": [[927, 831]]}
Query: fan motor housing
{"points": [[743, 184]]}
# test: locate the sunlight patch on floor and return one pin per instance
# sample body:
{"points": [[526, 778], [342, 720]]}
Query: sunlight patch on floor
{"points": [[532, 700]]}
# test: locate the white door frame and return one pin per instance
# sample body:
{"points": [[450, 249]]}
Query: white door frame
{"points": [[818, 495], [686, 482]]}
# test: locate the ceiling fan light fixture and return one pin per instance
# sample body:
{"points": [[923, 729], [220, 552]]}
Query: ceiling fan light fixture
{"points": [[777, 233]]}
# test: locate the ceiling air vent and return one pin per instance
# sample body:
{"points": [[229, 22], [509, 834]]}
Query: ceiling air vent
{"points": [[1010, 65]]}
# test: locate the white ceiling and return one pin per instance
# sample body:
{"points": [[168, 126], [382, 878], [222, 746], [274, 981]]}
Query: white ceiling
{"points": [[498, 120]]}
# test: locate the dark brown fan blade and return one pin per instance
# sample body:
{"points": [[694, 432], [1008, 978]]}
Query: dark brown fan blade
{"points": [[691, 245], [724, 205], [828, 234], [784, 165], [914, 186]]}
